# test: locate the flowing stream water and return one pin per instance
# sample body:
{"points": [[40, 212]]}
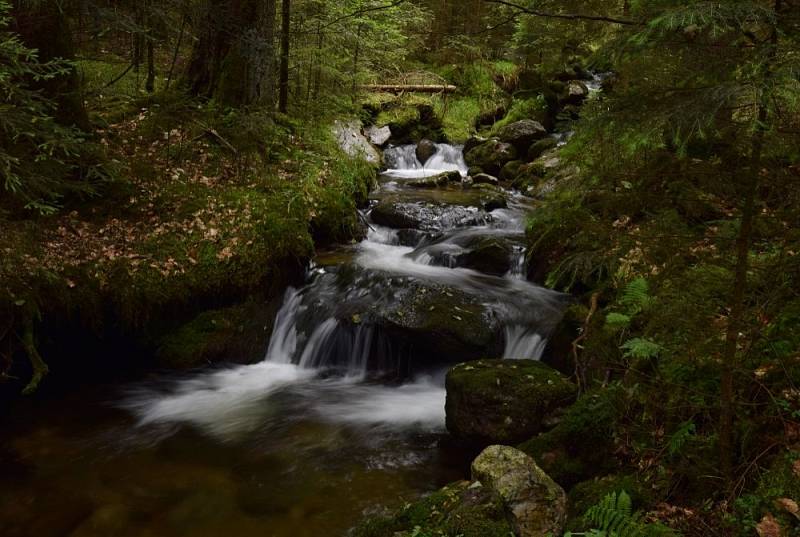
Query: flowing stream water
{"points": [[346, 411]]}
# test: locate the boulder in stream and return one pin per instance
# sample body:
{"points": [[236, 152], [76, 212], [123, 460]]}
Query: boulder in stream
{"points": [[351, 141], [521, 134], [425, 150], [426, 216], [491, 255], [491, 156], [378, 136], [485, 179], [504, 400], [574, 93], [442, 179], [535, 505]]}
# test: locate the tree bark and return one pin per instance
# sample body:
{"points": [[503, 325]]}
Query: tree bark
{"points": [[286, 15], [232, 56], [42, 26]]}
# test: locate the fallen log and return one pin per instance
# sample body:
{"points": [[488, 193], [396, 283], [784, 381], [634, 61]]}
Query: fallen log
{"points": [[410, 88]]}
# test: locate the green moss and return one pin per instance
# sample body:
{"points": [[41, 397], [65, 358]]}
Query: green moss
{"points": [[500, 401], [581, 446], [454, 510], [529, 108]]}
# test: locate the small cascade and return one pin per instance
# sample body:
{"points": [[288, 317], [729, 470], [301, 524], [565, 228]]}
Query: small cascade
{"points": [[402, 163], [522, 342]]}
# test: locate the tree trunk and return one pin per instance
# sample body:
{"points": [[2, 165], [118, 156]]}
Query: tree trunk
{"points": [[737, 303], [233, 53], [43, 26], [286, 14]]}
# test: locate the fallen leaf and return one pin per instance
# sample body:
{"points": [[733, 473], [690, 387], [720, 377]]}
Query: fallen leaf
{"points": [[769, 527], [788, 505]]}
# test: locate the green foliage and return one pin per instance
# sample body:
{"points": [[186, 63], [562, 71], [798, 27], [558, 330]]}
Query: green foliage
{"points": [[614, 517], [40, 159], [641, 348]]}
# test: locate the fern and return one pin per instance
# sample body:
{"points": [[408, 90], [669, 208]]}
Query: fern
{"points": [[680, 437], [636, 297], [614, 517], [617, 321], [641, 348]]}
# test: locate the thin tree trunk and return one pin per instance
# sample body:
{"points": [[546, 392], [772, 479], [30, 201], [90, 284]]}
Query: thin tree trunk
{"points": [[176, 51], [150, 84], [738, 295], [283, 98]]}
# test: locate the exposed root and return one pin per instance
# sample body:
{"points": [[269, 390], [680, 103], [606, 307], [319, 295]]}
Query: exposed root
{"points": [[580, 367], [40, 368]]}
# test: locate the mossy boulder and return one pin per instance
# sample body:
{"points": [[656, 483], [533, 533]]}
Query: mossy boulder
{"points": [[236, 334], [490, 255], [426, 216], [574, 93], [485, 179], [491, 156], [463, 509], [581, 446], [511, 170], [425, 150], [534, 504], [502, 401], [521, 134], [537, 149], [435, 181]]}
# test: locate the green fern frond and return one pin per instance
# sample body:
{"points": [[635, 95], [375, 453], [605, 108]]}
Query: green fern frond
{"points": [[641, 348], [635, 297]]}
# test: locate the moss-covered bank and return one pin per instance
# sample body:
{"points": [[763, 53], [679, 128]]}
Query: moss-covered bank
{"points": [[213, 211]]}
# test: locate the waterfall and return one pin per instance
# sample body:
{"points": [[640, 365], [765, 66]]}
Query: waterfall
{"points": [[402, 163]]}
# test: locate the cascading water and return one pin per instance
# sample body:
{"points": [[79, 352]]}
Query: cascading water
{"points": [[402, 161], [345, 411]]}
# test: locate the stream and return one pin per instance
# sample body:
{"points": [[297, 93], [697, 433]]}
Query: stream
{"points": [[344, 415]]}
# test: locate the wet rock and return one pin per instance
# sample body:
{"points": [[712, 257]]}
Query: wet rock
{"points": [[491, 156], [510, 170], [521, 134], [351, 141], [438, 324], [534, 504], [426, 216], [473, 142], [236, 334], [425, 150], [485, 179], [537, 149], [575, 92], [442, 179], [503, 400], [492, 204], [474, 170], [489, 255], [411, 237], [378, 135]]}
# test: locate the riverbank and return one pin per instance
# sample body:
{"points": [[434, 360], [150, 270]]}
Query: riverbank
{"points": [[217, 212]]}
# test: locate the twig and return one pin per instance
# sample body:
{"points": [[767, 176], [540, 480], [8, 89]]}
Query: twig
{"points": [[579, 372], [566, 16]]}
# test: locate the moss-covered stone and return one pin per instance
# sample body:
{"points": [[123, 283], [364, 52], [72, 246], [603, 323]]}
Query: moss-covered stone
{"points": [[236, 334], [491, 156], [535, 505], [457, 509], [581, 446], [501, 401]]}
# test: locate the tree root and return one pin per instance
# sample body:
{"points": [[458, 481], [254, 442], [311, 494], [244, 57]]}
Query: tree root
{"points": [[39, 366], [580, 368]]}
